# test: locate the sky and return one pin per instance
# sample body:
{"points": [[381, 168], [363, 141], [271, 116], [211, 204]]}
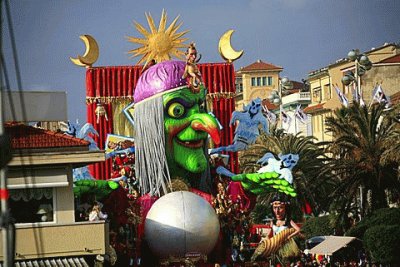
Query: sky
{"points": [[298, 35]]}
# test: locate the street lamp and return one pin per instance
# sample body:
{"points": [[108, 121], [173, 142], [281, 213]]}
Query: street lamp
{"points": [[362, 65], [276, 95]]}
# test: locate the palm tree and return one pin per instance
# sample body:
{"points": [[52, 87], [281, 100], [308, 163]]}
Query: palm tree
{"points": [[365, 147], [311, 179]]}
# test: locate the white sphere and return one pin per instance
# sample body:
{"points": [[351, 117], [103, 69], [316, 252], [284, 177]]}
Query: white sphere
{"points": [[179, 223], [352, 55]]}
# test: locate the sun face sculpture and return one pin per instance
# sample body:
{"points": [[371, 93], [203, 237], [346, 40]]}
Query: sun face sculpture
{"points": [[158, 44]]}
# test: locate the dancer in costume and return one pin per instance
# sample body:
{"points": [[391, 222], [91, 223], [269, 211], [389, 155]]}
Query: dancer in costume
{"points": [[283, 231]]}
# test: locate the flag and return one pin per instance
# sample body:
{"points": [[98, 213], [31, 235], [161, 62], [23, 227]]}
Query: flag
{"points": [[269, 114], [300, 114], [285, 117], [357, 96], [362, 103], [380, 97], [342, 97]]}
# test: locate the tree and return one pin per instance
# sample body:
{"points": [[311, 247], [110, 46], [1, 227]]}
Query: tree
{"points": [[364, 148], [311, 180]]}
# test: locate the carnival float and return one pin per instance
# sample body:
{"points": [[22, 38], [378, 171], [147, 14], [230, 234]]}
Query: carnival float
{"points": [[171, 184]]}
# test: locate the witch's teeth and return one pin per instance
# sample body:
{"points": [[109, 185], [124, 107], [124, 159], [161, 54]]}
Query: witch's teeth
{"points": [[187, 143]]}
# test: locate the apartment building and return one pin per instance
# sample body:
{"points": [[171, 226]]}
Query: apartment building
{"points": [[324, 99], [40, 184]]}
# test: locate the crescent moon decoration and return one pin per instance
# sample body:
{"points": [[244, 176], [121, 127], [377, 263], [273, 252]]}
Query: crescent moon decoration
{"points": [[91, 54], [225, 48]]}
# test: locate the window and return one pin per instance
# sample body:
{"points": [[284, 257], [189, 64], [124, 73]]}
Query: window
{"points": [[327, 92], [317, 94], [258, 81], [264, 81], [253, 81], [31, 205], [269, 80]]}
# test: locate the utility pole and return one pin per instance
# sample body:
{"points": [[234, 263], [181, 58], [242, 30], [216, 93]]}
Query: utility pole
{"points": [[5, 157]]}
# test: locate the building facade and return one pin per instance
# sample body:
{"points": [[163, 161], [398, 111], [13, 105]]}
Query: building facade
{"points": [[40, 184], [255, 80], [324, 99]]}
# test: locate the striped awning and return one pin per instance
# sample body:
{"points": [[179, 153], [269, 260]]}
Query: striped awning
{"points": [[52, 262]]}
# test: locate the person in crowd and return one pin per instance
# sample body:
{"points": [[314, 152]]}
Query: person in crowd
{"points": [[96, 214]]}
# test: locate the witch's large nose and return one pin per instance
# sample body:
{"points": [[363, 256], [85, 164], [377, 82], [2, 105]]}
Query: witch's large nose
{"points": [[205, 122]]}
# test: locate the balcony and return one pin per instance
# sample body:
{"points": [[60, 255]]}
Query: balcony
{"points": [[60, 240], [296, 98]]}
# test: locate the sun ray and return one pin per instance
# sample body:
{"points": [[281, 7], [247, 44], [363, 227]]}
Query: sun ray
{"points": [[136, 40], [141, 29], [173, 31], [159, 44], [178, 35], [163, 21], [180, 41], [150, 21], [144, 57], [178, 53], [171, 27], [138, 51]]}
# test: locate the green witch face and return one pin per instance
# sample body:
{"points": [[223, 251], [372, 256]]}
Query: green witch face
{"points": [[187, 126]]}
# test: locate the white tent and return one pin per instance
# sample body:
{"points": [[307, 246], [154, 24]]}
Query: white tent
{"points": [[331, 244]]}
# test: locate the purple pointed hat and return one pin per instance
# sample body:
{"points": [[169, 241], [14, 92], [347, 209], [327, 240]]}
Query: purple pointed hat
{"points": [[160, 78]]}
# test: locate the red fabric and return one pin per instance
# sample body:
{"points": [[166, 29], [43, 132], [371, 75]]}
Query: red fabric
{"points": [[108, 83], [145, 203], [307, 208], [116, 205], [247, 200], [206, 196]]}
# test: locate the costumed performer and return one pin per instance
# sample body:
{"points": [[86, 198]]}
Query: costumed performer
{"points": [[283, 231]]}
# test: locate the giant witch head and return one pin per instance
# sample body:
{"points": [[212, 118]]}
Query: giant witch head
{"points": [[171, 128]]}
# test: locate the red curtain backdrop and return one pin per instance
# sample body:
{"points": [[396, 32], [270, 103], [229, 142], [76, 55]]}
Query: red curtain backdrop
{"points": [[109, 84]]}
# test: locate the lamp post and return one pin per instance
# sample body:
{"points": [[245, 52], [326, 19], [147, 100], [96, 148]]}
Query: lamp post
{"points": [[276, 95], [361, 65]]}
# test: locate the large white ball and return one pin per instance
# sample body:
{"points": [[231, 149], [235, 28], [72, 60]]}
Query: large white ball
{"points": [[179, 223]]}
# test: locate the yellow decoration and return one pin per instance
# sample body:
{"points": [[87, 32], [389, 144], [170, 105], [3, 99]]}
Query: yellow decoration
{"points": [[225, 48], [158, 44], [271, 245], [91, 54]]}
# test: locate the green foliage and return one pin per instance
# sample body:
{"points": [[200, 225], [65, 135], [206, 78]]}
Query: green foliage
{"points": [[365, 145], [387, 216], [383, 242], [312, 181], [316, 226], [259, 213], [99, 188]]}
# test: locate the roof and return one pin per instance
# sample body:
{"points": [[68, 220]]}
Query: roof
{"points": [[261, 65], [56, 262], [331, 244], [269, 105], [395, 98], [27, 137], [394, 59], [311, 109]]}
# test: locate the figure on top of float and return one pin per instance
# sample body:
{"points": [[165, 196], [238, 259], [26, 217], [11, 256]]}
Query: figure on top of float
{"points": [[247, 129]]}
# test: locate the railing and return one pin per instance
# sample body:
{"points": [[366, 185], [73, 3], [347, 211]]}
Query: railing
{"points": [[296, 97], [77, 239]]}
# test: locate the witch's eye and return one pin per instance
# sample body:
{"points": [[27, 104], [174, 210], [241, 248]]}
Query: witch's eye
{"points": [[176, 110]]}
